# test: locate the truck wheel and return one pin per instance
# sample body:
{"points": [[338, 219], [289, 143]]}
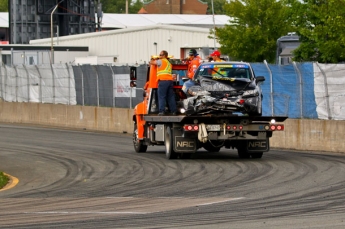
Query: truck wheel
{"points": [[211, 148], [243, 152], [185, 155], [257, 155], [139, 146], [169, 149]]}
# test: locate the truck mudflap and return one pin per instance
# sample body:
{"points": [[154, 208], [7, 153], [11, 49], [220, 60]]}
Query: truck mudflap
{"points": [[258, 145], [183, 144]]}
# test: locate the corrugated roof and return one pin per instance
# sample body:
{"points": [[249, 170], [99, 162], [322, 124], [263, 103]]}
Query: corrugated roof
{"points": [[130, 20], [134, 20], [126, 30]]}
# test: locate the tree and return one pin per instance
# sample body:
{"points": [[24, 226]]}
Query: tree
{"points": [[321, 27], [218, 6], [254, 28], [3, 5]]}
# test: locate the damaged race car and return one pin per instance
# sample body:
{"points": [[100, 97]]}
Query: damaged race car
{"points": [[224, 87]]}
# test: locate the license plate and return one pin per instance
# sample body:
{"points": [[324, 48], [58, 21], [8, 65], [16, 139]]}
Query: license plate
{"points": [[213, 127]]}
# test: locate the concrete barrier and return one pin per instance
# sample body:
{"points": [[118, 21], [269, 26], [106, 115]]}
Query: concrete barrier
{"points": [[299, 134], [65, 116]]}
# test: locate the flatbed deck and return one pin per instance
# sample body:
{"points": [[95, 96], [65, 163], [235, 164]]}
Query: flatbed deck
{"points": [[201, 118]]}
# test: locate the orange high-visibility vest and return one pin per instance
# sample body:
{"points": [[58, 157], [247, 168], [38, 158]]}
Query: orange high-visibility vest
{"points": [[193, 65], [164, 71]]}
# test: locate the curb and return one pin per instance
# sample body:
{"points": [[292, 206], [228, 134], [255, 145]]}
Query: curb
{"points": [[13, 181]]}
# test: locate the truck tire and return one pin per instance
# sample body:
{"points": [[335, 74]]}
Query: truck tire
{"points": [[169, 144], [242, 151], [185, 155], [139, 146], [257, 155], [211, 148]]}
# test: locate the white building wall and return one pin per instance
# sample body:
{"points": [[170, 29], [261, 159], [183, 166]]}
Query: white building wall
{"points": [[136, 45]]}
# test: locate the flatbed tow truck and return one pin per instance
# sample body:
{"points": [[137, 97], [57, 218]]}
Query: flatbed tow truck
{"points": [[182, 134]]}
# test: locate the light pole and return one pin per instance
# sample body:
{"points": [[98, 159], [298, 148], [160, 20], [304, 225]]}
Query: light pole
{"points": [[214, 27], [51, 33]]}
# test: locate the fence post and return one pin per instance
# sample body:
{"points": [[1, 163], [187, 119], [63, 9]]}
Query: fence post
{"points": [[69, 85], [97, 85], [2, 91], [51, 66], [15, 69], [326, 91], [271, 87], [5, 82], [300, 88], [113, 78], [82, 85], [130, 97], [27, 75], [40, 91], [12, 57]]}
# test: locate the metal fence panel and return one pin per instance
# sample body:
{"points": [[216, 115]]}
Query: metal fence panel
{"points": [[106, 86], [298, 90]]}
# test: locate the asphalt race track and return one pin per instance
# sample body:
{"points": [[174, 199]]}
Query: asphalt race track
{"points": [[80, 179]]}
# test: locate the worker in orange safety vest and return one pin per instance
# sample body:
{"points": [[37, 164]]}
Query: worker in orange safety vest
{"points": [[165, 83], [194, 61]]}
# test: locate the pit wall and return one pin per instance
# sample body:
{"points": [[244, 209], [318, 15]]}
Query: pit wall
{"points": [[299, 134]]}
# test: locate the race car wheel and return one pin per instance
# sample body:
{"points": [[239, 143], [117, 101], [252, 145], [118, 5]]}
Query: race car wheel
{"points": [[169, 149], [139, 146], [258, 110]]}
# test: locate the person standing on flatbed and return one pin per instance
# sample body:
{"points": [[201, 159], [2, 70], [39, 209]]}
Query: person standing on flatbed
{"points": [[165, 83]]}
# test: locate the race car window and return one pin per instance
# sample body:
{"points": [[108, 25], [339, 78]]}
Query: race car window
{"points": [[218, 72]]}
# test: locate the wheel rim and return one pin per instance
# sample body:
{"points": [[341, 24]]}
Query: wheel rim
{"points": [[168, 143], [135, 137]]}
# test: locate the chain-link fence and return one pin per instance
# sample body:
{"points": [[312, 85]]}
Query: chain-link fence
{"points": [[298, 90]]}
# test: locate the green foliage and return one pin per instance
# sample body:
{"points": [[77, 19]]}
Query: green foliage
{"points": [[3, 180], [218, 6], [3, 5], [254, 29], [119, 6], [321, 27]]}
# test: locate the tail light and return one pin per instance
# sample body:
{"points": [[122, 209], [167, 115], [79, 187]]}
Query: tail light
{"points": [[274, 127], [191, 127], [228, 127]]}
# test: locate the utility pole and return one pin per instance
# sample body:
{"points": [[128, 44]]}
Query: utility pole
{"points": [[214, 27], [99, 15]]}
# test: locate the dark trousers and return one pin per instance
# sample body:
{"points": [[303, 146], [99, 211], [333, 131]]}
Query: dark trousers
{"points": [[166, 93]]}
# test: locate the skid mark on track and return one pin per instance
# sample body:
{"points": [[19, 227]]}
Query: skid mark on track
{"points": [[113, 205]]}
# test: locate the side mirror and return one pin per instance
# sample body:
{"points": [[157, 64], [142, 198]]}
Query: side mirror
{"points": [[260, 79], [133, 83]]}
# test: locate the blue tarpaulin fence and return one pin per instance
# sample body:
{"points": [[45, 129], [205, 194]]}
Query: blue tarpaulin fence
{"points": [[288, 90]]}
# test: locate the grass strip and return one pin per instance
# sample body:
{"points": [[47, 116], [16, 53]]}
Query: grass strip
{"points": [[3, 180]]}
